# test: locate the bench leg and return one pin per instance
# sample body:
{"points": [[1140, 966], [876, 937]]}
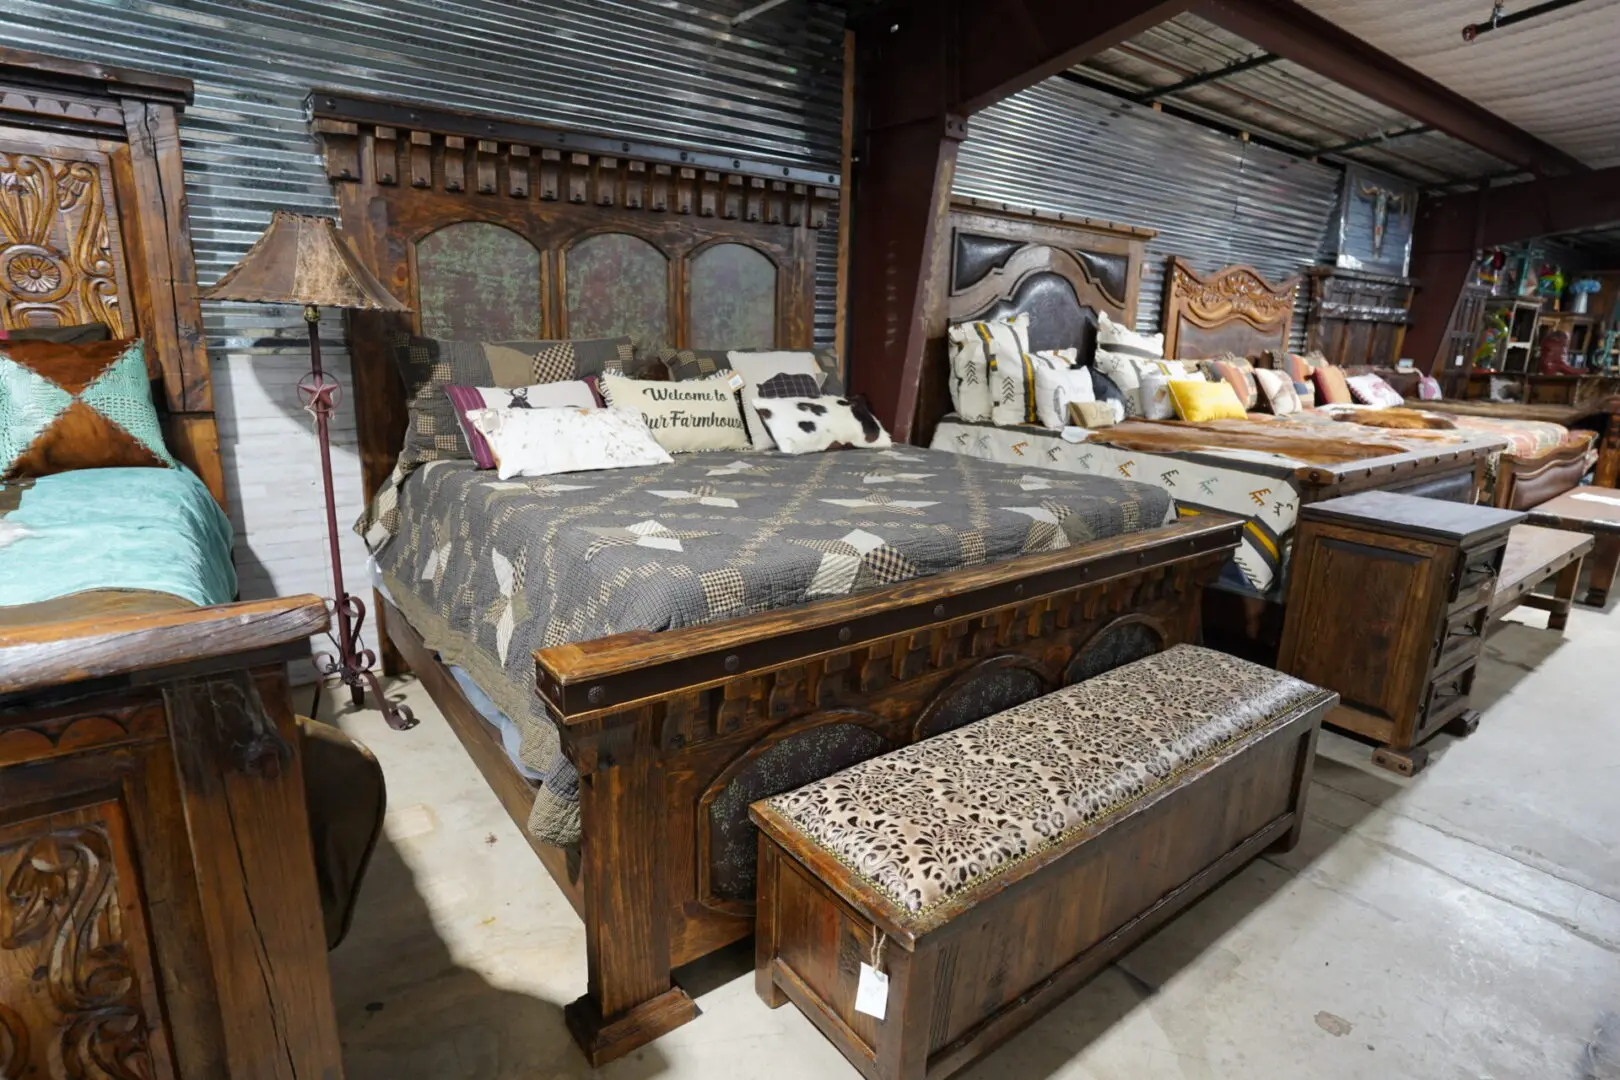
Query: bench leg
{"points": [[1605, 560], [1303, 766], [765, 927], [1564, 595]]}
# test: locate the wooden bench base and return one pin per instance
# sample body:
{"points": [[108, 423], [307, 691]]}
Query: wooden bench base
{"points": [[1585, 510], [961, 989], [1533, 556]]}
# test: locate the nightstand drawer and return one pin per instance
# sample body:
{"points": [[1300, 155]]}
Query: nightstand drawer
{"points": [[1447, 696], [1460, 636], [1474, 578]]}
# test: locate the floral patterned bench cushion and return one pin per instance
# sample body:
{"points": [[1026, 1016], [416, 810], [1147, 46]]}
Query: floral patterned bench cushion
{"points": [[930, 820]]}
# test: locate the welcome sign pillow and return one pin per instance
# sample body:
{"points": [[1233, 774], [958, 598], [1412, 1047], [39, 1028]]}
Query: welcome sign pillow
{"points": [[684, 417]]}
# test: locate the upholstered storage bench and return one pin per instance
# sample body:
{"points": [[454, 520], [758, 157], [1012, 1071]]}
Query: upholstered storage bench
{"points": [[990, 870]]}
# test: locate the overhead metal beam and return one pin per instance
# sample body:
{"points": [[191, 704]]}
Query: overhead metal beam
{"points": [[1188, 83], [1376, 140], [1300, 35]]}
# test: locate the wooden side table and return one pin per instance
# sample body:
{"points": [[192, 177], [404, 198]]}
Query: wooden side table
{"points": [[1387, 605]]}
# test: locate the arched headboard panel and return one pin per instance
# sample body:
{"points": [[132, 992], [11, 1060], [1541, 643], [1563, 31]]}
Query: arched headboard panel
{"points": [[1234, 310], [670, 246], [1062, 271]]}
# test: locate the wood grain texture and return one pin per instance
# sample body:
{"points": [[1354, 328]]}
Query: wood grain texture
{"points": [[969, 975], [1535, 555], [1233, 310], [1356, 318], [48, 654]]}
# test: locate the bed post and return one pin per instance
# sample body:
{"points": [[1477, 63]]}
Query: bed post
{"points": [[631, 998]]}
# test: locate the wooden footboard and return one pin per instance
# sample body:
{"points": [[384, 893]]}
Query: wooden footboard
{"points": [[675, 733], [1525, 482]]}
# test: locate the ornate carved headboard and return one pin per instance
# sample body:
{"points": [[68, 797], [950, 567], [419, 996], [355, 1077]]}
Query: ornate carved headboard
{"points": [[1233, 310], [93, 226], [1061, 270], [494, 230]]}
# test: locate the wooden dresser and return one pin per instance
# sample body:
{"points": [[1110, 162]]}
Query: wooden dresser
{"points": [[1387, 604]]}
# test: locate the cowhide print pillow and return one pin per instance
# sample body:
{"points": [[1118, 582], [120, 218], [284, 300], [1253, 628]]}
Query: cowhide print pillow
{"points": [[809, 425]]}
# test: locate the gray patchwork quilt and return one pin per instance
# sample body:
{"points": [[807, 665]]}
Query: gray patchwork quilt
{"points": [[490, 571]]}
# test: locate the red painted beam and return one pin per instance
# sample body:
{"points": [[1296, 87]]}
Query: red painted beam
{"points": [[1300, 35]]}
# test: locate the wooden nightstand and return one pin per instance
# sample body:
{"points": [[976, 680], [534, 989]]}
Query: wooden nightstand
{"points": [[1387, 604]]}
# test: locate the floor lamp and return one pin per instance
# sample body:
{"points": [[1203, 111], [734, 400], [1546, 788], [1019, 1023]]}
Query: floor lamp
{"points": [[303, 260]]}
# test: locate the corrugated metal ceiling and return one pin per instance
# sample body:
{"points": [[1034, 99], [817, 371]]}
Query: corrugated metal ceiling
{"points": [[1280, 102], [1555, 76]]}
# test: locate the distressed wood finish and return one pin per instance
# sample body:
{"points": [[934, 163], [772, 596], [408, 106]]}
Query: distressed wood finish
{"points": [[1006, 954], [1599, 519], [161, 916], [661, 725], [1356, 318], [1535, 555], [1234, 310], [1387, 604], [92, 183]]}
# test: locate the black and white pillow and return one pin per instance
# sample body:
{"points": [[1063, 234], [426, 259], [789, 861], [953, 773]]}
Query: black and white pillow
{"points": [[808, 425]]}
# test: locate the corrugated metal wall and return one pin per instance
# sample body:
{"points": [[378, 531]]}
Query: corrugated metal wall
{"points": [[659, 70], [1215, 200]]}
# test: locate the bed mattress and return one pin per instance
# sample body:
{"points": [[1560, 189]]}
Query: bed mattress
{"points": [[488, 571], [100, 541]]}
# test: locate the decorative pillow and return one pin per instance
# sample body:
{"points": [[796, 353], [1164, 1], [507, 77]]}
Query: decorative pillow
{"points": [[757, 368], [543, 442], [1095, 414], [1013, 390], [432, 427], [1373, 390], [1105, 389], [1237, 371], [1279, 393], [1118, 338], [78, 334], [1429, 388], [1056, 388], [809, 425], [1060, 357], [1125, 371], [978, 350], [65, 407], [785, 385], [1331, 389], [1156, 403], [684, 364], [466, 399], [1197, 401], [688, 416], [420, 360]]}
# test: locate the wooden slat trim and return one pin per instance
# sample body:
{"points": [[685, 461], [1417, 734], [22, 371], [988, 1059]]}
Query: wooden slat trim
{"points": [[50, 654]]}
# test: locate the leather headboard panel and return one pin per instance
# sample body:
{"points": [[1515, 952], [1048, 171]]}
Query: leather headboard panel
{"points": [[1057, 318]]}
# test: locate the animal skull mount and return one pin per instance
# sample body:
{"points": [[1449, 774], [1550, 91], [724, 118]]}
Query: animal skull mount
{"points": [[1383, 201]]}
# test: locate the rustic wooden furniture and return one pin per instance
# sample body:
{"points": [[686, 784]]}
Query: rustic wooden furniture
{"points": [[1358, 318], [93, 227], [161, 916], [670, 731], [1063, 271], [1516, 353], [1387, 605], [1233, 310], [1535, 555], [1599, 519], [974, 968], [1599, 412]]}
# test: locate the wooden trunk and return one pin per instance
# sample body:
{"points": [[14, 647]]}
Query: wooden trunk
{"points": [[958, 991], [161, 914]]}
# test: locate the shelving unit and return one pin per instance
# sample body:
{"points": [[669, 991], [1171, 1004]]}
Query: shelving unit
{"points": [[1518, 353]]}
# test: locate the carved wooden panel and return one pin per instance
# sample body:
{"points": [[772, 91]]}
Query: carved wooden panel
{"points": [[1234, 310], [480, 282], [731, 298], [61, 254], [77, 994]]}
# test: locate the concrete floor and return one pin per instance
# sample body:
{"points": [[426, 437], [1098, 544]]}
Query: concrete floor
{"points": [[1463, 924]]}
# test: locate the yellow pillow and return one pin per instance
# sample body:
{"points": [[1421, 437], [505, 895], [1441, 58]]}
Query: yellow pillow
{"points": [[1206, 400]]}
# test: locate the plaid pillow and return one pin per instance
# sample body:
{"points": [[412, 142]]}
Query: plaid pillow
{"points": [[684, 364], [786, 385]]}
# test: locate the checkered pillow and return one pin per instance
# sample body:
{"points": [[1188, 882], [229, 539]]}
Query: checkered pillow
{"points": [[684, 364], [788, 385]]}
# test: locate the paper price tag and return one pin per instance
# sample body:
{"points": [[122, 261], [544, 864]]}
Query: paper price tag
{"points": [[735, 382], [872, 994]]}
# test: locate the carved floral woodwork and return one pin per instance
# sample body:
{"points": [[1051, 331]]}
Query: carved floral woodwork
{"points": [[1236, 290], [60, 262], [1234, 310], [73, 1008]]}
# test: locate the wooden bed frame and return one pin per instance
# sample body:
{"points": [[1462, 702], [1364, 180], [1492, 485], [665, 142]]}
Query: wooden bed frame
{"points": [[1233, 310], [674, 733], [153, 831]]}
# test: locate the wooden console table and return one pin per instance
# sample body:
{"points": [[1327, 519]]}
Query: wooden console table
{"points": [[1387, 605], [161, 917]]}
